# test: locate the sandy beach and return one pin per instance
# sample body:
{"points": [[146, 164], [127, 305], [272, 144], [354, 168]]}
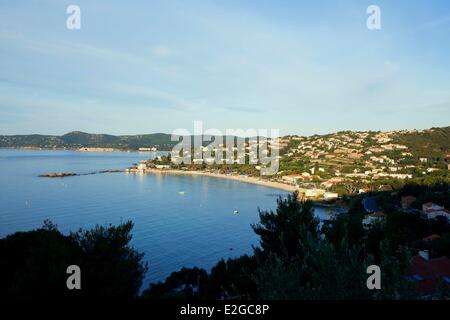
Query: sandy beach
{"points": [[246, 179]]}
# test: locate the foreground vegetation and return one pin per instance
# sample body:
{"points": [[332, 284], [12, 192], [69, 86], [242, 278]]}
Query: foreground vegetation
{"points": [[34, 263], [298, 257], [298, 260]]}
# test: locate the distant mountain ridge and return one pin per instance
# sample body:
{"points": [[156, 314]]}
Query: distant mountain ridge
{"points": [[434, 140], [78, 139]]}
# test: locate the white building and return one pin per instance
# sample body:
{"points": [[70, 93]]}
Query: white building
{"points": [[370, 219], [430, 206], [314, 193], [292, 178], [142, 166], [162, 166], [433, 210], [438, 213], [330, 195]]}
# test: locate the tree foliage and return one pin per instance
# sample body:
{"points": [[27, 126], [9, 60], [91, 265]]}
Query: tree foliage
{"points": [[34, 263]]}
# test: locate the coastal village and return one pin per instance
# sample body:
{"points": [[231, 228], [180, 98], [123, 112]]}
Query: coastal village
{"points": [[334, 168], [327, 168], [356, 157], [377, 179], [341, 171]]}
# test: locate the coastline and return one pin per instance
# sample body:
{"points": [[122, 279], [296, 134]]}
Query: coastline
{"points": [[245, 179], [239, 178], [84, 151]]}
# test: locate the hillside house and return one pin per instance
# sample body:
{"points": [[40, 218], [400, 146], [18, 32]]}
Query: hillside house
{"points": [[433, 211], [373, 218], [330, 195], [428, 273]]}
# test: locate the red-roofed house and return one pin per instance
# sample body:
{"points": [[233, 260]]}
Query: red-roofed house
{"points": [[363, 190], [429, 273]]}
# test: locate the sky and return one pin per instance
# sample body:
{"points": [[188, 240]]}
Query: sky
{"points": [[303, 67]]}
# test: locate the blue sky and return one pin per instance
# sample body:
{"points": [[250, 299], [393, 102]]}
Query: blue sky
{"points": [[303, 67]]}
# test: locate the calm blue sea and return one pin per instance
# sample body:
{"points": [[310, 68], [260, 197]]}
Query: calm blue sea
{"points": [[196, 228]]}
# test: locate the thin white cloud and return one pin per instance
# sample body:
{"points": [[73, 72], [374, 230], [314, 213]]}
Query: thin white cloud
{"points": [[151, 93], [232, 61], [160, 51], [435, 23]]}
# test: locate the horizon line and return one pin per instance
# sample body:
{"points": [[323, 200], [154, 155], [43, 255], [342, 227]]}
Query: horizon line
{"points": [[283, 135]]}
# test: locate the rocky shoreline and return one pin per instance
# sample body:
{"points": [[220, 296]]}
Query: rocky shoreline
{"points": [[71, 174]]}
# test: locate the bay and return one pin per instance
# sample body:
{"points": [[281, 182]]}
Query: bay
{"points": [[179, 221]]}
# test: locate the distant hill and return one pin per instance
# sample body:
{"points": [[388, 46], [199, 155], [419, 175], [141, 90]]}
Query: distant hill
{"points": [[77, 139], [430, 142]]}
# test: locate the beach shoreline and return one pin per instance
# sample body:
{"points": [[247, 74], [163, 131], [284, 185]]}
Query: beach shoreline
{"points": [[245, 179]]}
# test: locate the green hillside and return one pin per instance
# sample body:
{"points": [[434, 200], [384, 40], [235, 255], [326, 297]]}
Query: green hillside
{"points": [[77, 139], [434, 142], [431, 142]]}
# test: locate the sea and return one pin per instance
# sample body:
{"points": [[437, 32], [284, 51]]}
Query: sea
{"points": [[179, 221]]}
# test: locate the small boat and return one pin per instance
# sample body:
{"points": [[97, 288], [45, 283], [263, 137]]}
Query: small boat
{"points": [[235, 212], [181, 192]]}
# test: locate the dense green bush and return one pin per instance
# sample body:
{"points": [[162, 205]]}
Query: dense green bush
{"points": [[34, 263]]}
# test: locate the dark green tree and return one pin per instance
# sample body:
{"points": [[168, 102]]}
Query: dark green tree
{"points": [[282, 232], [34, 263], [111, 267]]}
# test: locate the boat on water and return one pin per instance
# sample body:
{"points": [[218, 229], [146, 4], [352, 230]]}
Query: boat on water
{"points": [[181, 192], [235, 212]]}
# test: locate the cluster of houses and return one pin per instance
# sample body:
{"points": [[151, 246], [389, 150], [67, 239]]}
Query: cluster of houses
{"points": [[427, 272], [145, 149], [429, 210], [370, 156], [320, 194], [310, 193], [236, 154], [143, 166], [371, 153]]}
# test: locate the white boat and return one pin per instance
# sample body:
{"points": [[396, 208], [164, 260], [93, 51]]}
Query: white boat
{"points": [[181, 192], [235, 212]]}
